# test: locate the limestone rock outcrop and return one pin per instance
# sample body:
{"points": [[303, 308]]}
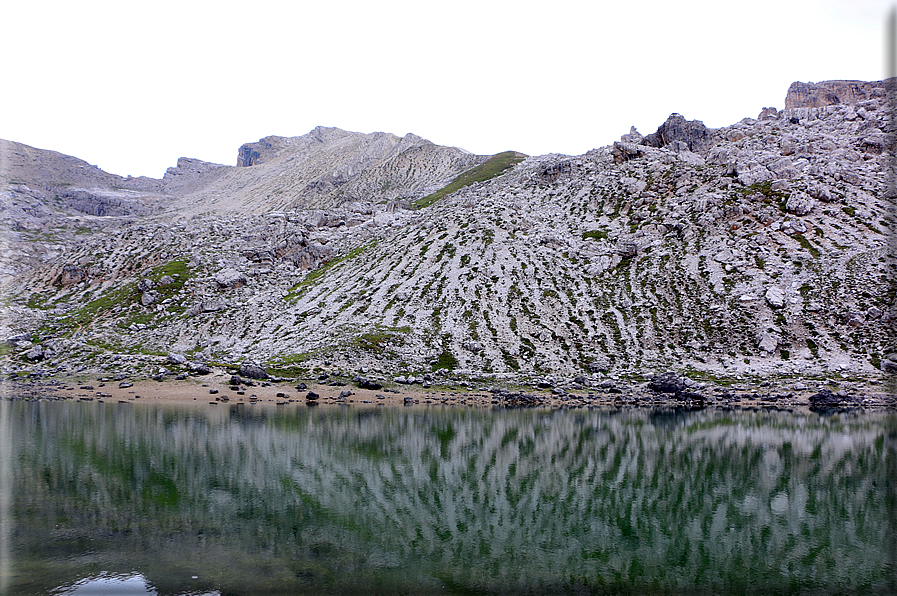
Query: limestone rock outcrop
{"points": [[680, 135], [759, 248], [828, 93]]}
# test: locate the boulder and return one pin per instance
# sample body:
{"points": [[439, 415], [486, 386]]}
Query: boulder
{"points": [[72, 274], [213, 305], [825, 398], [174, 358], [623, 152], [667, 382], [820, 192], [856, 319], [364, 383], [198, 368], [889, 364], [775, 296], [680, 134], [599, 364], [750, 172], [253, 370], [35, 353], [230, 278], [148, 297], [768, 342], [16, 341], [473, 346], [799, 204]]}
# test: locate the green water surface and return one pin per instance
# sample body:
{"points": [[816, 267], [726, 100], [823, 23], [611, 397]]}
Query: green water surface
{"points": [[241, 500]]}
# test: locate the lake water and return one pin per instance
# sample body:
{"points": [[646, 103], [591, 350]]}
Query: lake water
{"points": [[239, 500]]}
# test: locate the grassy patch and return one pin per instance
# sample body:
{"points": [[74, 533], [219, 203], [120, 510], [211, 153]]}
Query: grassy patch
{"points": [[118, 297], [377, 341], [446, 360], [487, 170], [594, 235], [807, 245], [814, 349], [510, 361]]}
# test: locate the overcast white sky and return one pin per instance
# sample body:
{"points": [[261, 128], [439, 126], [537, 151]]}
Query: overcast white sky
{"points": [[132, 86]]}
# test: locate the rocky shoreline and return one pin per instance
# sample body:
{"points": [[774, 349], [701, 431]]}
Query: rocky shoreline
{"points": [[219, 387]]}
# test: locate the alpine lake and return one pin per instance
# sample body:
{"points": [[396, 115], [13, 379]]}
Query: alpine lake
{"points": [[240, 499]]}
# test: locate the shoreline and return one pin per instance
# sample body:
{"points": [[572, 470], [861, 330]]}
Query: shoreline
{"points": [[215, 389]]}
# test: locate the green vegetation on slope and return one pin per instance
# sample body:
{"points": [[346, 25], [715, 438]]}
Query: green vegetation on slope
{"points": [[296, 291], [487, 170]]}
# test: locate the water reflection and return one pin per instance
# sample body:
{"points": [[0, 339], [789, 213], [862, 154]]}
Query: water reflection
{"points": [[108, 584], [248, 501]]}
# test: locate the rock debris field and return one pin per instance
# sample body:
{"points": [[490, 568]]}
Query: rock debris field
{"points": [[749, 264]]}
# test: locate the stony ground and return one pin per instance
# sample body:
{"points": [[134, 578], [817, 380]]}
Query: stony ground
{"points": [[758, 251]]}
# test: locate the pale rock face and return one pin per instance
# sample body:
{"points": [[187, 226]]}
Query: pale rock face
{"points": [[775, 296], [828, 93], [768, 342], [800, 203], [230, 278], [149, 297]]}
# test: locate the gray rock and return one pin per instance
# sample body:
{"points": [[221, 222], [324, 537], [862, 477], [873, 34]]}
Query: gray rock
{"points": [[825, 398], [213, 305], [856, 319], [174, 358], [692, 134], [149, 297], [668, 382], [253, 370], [820, 192], [16, 341], [599, 365], [35, 353], [768, 342], [775, 296], [473, 346], [364, 383], [198, 368], [72, 274], [800, 203], [230, 278], [623, 152]]}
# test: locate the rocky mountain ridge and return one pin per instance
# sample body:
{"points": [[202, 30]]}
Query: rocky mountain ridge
{"points": [[755, 249]]}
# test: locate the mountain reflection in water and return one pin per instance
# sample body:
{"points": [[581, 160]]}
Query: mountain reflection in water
{"points": [[240, 500]]}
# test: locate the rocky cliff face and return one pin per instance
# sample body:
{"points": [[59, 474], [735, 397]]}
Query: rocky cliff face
{"points": [[760, 248], [829, 93]]}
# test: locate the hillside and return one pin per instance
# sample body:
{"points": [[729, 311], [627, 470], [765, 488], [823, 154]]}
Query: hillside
{"points": [[756, 249]]}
